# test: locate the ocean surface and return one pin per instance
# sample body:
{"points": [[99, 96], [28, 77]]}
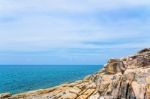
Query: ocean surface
{"points": [[17, 79]]}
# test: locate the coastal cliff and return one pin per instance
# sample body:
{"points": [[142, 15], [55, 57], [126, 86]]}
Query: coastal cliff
{"points": [[125, 78]]}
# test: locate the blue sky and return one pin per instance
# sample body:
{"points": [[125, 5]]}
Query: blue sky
{"points": [[72, 31]]}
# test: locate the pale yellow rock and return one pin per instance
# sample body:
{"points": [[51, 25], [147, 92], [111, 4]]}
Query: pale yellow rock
{"points": [[91, 86], [148, 89], [148, 79], [86, 94], [68, 96], [89, 92], [94, 96], [82, 97], [139, 90], [74, 89]]}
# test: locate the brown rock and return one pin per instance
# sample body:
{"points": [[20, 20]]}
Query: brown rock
{"points": [[113, 60], [5, 95], [114, 66], [139, 61], [86, 94], [95, 96], [68, 96], [146, 50]]}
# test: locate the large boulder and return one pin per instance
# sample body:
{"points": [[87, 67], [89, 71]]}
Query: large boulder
{"points": [[114, 66]]}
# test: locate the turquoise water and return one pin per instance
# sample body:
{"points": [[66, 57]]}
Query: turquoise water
{"points": [[17, 79]]}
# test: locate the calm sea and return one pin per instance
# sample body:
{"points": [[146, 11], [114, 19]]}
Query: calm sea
{"points": [[17, 79]]}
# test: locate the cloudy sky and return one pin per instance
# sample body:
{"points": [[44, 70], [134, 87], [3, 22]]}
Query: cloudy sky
{"points": [[72, 31]]}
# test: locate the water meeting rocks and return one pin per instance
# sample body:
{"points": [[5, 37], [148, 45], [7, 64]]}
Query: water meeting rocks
{"points": [[5, 95], [124, 78]]}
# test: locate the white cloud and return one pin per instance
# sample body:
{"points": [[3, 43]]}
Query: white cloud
{"points": [[36, 31], [48, 31], [67, 5]]}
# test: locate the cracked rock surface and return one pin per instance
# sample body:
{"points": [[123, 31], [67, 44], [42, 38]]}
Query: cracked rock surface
{"points": [[125, 78]]}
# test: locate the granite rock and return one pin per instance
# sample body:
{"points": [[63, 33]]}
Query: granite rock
{"points": [[124, 78]]}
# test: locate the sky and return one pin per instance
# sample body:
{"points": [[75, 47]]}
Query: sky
{"points": [[72, 31]]}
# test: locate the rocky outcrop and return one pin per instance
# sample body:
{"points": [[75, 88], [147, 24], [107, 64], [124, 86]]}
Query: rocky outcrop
{"points": [[125, 78], [5, 95]]}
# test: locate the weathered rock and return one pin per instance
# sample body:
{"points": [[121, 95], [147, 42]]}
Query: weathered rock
{"points": [[5, 95], [114, 66], [113, 60], [146, 50], [139, 90], [138, 61], [86, 94], [95, 96], [125, 78], [68, 96]]}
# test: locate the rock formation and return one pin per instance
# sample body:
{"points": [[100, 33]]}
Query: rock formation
{"points": [[125, 78]]}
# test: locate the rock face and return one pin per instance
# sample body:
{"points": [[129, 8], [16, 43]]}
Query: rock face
{"points": [[125, 78]]}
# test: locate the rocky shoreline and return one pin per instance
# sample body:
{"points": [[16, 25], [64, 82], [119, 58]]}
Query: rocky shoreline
{"points": [[125, 78]]}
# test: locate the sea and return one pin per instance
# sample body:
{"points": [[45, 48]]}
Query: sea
{"points": [[22, 78]]}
